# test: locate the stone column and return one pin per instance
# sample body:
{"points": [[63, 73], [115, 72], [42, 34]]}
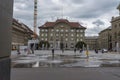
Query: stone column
{"points": [[6, 12]]}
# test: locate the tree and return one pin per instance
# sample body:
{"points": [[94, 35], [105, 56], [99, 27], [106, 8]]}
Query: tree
{"points": [[45, 43], [80, 44], [41, 43], [61, 45]]}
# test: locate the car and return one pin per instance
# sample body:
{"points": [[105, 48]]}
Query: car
{"points": [[104, 50]]}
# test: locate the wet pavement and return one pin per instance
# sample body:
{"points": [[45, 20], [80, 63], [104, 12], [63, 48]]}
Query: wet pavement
{"points": [[65, 73], [44, 58]]}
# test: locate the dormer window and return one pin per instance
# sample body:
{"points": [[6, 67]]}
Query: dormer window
{"points": [[61, 26]]}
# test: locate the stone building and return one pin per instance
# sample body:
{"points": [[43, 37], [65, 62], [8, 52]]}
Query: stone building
{"points": [[92, 42], [21, 33], [6, 12], [62, 33], [105, 39], [115, 22]]}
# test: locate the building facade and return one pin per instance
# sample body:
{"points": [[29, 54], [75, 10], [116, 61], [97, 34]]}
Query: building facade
{"points": [[21, 33], [115, 31], [92, 42], [62, 33], [105, 39], [115, 22]]}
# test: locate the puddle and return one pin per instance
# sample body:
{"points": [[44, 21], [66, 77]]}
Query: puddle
{"points": [[31, 61]]}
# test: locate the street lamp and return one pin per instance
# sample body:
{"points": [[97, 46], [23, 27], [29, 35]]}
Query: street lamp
{"points": [[117, 44]]}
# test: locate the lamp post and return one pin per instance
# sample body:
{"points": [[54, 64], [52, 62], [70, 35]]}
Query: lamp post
{"points": [[119, 44]]}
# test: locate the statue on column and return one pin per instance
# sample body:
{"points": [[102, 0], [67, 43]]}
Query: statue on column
{"points": [[118, 8]]}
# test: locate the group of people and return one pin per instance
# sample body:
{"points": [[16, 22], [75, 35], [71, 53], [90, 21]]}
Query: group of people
{"points": [[74, 50], [81, 50], [26, 50]]}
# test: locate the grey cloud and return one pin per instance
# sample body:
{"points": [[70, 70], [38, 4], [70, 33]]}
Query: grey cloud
{"points": [[98, 22], [94, 31], [78, 1], [94, 8]]}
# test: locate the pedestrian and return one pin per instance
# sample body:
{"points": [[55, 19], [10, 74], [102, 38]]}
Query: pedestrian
{"points": [[81, 50], [28, 51], [75, 50], [87, 53], [62, 50], [32, 49], [102, 51], [18, 51], [52, 53], [96, 51]]}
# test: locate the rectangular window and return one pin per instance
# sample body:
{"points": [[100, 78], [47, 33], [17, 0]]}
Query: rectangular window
{"points": [[77, 40], [81, 30], [51, 34], [62, 30], [81, 35], [66, 39], [46, 35], [72, 35], [57, 30], [42, 34], [77, 30], [42, 30], [57, 35], [46, 30], [61, 34], [66, 30], [72, 30], [81, 39]]}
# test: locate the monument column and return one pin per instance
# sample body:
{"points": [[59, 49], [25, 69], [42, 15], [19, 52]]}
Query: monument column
{"points": [[6, 12]]}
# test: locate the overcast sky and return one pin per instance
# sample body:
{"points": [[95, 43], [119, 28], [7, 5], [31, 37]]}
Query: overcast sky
{"points": [[95, 15]]}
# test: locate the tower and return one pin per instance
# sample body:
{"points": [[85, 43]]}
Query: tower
{"points": [[35, 18]]}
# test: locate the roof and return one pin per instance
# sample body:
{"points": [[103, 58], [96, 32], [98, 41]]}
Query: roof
{"points": [[52, 24], [21, 25], [91, 37], [109, 28], [118, 7]]}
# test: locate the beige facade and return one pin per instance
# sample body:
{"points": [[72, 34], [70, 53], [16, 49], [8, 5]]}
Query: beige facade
{"points": [[92, 42], [20, 34], [115, 22], [110, 37], [115, 31], [62, 32], [105, 38]]}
